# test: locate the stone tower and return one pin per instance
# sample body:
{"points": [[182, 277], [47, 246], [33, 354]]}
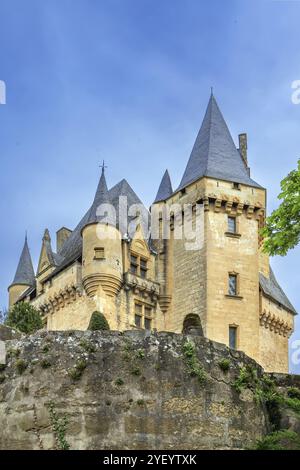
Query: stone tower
{"points": [[101, 246], [218, 287]]}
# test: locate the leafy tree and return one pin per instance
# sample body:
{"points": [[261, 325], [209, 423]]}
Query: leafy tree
{"points": [[282, 229], [24, 317], [98, 322]]}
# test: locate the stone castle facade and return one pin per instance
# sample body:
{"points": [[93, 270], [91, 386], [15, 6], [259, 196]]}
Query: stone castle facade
{"points": [[224, 287]]}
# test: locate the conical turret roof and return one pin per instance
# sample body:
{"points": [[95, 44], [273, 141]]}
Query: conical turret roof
{"points": [[25, 273], [165, 188], [214, 153]]}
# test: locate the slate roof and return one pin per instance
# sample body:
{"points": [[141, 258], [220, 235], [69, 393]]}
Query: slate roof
{"points": [[214, 153], [71, 250], [272, 289], [165, 188], [25, 273], [101, 197]]}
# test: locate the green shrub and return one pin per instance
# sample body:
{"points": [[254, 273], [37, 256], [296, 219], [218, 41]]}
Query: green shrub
{"points": [[14, 352], [294, 392], [24, 317], [119, 381], [59, 426], [247, 379], [45, 349], [98, 322], [21, 366], [140, 402], [45, 363], [87, 346], [193, 363], [76, 372], [136, 371], [224, 365], [279, 440], [2, 378], [2, 367]]}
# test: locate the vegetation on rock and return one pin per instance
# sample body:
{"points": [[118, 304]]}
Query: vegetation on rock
{"points": [[194, 366]]}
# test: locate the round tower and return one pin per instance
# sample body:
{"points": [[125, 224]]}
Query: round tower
{"points": [[102, 246], [24, 277]]}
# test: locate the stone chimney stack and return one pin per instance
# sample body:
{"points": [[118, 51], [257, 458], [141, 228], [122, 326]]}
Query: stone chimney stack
{"points": [[61, 236], [243, 147]]}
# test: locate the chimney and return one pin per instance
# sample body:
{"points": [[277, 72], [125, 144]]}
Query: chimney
{"points": [[243, 147], [61, 236]]}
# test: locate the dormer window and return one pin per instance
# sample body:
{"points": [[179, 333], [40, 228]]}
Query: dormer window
{"points": [[138, 265], [133, 264], [236, 185]]}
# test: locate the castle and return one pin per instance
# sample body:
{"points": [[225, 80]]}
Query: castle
{"points": [[224, 288]]}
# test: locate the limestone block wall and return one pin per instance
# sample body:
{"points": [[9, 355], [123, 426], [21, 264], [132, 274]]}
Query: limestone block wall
{"points": [[276, 325], [136, 392], [226, 255]]}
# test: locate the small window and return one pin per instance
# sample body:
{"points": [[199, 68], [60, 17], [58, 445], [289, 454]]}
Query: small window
{"points": [[148, 311], [232, 284], [233, 337], [232, 224], [138, 321], [143, 268], [147, 323], [236, 186], [133, 264], [99, 253], [138, 308]]}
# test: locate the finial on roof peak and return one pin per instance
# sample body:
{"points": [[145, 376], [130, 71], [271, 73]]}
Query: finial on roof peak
{"points": [[103, 166]]}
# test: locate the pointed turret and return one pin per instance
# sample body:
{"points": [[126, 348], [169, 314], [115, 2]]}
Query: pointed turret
{"points": [[214, 153], [101, 197], [25, 272], [101, 245], [165, 188], [24, 277]]}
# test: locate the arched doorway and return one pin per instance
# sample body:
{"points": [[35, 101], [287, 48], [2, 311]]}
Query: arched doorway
{"points": [[192, 325]]}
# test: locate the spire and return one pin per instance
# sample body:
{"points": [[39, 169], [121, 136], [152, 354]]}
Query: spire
{"points": [[165, 188], [25, 273], [101, 197], [214, 153]]}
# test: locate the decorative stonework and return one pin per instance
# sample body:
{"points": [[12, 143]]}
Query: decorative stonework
{"points": [[111, 284], [231, 205], [275, 323], [143, 287], [60, 299]]}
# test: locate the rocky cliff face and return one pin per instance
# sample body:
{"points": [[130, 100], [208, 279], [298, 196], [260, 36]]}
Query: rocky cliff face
{"points": [[107, 390]]}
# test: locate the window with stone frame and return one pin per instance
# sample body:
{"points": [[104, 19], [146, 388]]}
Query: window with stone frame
{"points": [[232, 284], [133, 264], [138, 315], [232, 225], [143, 268], [99, 253], [233, 336], [138, 265], [143, 315]]}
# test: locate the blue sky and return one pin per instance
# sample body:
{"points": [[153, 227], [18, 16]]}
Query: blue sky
{"points": [[129, 81]]}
